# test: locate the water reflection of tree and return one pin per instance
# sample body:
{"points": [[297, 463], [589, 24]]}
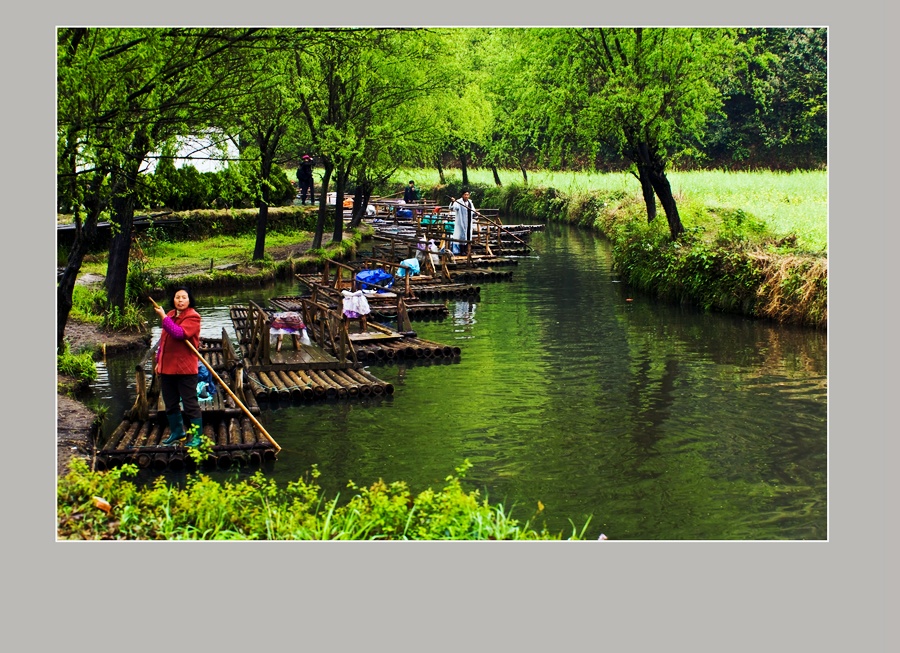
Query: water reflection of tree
{"points": [[650, 401]]}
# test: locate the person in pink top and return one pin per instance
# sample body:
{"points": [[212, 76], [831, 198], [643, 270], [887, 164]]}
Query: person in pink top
{"points": [[176, 366]]}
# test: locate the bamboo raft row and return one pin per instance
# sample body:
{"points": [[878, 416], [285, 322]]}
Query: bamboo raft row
{"points": [[398, 249], [489, 235], [316, 385], [296, 356], [221, 403], [366, 340], [386, 310], [422, 287], [429, 288], [236, 442], [408, 348]]}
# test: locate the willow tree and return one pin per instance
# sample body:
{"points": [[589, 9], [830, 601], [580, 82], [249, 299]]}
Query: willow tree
{"points": [[465, 117], [354, 87], [647, 92], [121, 92], [265, 115]]}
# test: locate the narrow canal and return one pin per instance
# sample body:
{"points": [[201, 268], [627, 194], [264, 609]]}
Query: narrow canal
{"points": [[661, 422]]}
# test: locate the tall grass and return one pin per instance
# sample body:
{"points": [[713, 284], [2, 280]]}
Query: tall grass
{"points": [[788, 202]]}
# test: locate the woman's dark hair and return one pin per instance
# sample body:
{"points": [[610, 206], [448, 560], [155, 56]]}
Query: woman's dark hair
{"points": [[411, 181], [189, 294]]}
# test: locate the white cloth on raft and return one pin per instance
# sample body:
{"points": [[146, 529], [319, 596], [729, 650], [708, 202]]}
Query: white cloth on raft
{"points": [[355, 304]]}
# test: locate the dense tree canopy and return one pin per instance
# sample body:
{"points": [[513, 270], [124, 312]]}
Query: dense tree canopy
{"points": [[368, 100]]}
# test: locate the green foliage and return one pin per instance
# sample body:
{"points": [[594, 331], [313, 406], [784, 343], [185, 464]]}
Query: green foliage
{"points": [[129, 318], [79, 366], [142, 281], [257, 509], [187, 189], [88, 304]]}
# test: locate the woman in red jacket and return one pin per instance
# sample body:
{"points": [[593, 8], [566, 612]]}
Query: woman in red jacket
{"points": [[176, 366]]}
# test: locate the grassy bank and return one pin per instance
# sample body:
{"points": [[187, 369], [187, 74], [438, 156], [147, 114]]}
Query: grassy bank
{"points": [[769, 263]]}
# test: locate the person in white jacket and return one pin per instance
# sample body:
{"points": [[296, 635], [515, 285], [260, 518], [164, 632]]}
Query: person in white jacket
{"points": [[464, 221]]}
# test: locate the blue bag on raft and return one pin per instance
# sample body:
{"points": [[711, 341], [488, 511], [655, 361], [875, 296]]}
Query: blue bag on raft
{"points": [[368, 277]]}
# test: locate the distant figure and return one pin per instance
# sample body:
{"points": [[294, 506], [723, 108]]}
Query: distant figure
{"points": [[305, 179], [462, 224], [410, 193]]}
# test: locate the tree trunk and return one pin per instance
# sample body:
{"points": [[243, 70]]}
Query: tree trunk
{"points": [[361, 201], [262, 219], [267, 143], [337, 235], [123, 203], [497, 181], [524, 174], [120, 248], [463, 164], [664, 192], [85, 236], [440, 170], [647, 192], [327, 167]]}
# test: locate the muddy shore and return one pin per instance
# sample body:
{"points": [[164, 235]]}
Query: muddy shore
{"points": [[76, 424]]}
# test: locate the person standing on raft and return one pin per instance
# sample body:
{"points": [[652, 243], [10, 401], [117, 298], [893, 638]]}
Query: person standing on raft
{"points": [[176, 366], [462, 224]]}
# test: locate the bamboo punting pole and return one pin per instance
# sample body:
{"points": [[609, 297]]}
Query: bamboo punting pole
{"points": [[233, 396]]}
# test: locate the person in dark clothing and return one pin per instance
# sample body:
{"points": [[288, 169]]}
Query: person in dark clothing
{"points": [[305, 179], [410, 193]]}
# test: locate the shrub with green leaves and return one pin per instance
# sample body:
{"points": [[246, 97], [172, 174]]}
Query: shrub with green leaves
{"points": [[77, 365]]}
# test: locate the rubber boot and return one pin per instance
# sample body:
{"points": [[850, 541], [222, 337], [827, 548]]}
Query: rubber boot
{"points": [[176, 426], [197, 429]]}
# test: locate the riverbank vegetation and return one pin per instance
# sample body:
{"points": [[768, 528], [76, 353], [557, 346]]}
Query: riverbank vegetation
{"points": [[109, 506], [769, 262]]}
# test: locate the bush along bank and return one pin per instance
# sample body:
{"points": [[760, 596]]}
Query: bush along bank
{"points": [[726, 260]]}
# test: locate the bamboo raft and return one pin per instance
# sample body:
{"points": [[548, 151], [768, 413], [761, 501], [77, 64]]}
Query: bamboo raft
{"points": [[236, 441], [390, 302], [303, 372], [452, 269]]}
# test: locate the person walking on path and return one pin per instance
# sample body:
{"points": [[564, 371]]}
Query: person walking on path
{"points": [[305, 179], [462, 223], [176, 366]]}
